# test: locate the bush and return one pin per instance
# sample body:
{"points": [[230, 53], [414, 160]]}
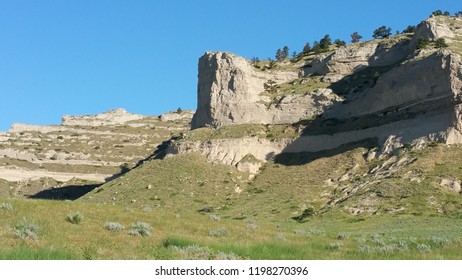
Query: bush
{"points": [[140, 229], [26, 230], [74, 218], [335, 246], [214, 217], [423, 248], [441, 43], [218, 232], [114, 226], [339, 43], [6, 206], [422, 43], [342, 236]]}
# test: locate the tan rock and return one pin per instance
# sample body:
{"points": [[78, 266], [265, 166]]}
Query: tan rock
{"points": [[229, 92]]}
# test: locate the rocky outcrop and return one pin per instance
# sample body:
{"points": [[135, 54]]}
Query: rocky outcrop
{"points": [[355, 57], [438, 27], [177, 115], [417, 101], [230, 92], [402, 96], [111, 117], [231, 151]]}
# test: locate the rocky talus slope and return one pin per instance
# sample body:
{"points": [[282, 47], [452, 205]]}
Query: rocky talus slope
{"points": [[82, 150]]}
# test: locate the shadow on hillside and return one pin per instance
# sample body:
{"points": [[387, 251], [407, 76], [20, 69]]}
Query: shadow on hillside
{"points": [[65, 193], [74, 192], [160, 152], [301, 158]]}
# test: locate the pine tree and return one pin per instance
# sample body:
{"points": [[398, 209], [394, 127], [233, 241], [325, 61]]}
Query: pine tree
{"points": [[306, 48], [409, 29], [382, 32], [355, 37], [339, 43], [285, 52]]}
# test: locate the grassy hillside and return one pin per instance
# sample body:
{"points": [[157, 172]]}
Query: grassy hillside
{"points": [[200, 210]]}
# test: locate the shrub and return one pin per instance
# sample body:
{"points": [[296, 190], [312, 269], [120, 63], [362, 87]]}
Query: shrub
{"points": [[140, 229], [113, 226], [423, 248], [226, 256], [342, 235], [251, 224], [26, 230], [335, 246], [439, 241], [422, 43], [74, 218], [214, 217], [221, 231], [441, 43], [339, 43], [193, 252], [281, 237], [6, 206]]}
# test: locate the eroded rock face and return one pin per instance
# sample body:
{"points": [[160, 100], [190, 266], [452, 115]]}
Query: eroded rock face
{"points": [[229, 92], [417, 101], [231, 151], [355, 57], [382, 92]]}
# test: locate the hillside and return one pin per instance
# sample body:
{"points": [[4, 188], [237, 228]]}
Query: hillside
{"points": [[53, 161], [348, 153]]}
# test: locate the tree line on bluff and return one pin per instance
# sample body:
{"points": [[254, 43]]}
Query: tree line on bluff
{"points": [[324, 44]]}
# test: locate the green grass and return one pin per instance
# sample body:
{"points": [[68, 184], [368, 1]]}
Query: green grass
{"points": [[27, 253], [306, 85], [258, 222], [270, 132]]}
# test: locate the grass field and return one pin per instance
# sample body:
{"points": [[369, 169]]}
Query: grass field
{"points": [[207, 236], [183, 207]]}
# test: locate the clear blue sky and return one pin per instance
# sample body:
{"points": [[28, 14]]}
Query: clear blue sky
{"points": [[88, 56]]}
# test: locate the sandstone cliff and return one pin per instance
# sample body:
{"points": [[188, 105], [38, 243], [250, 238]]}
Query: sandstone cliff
{"points": [[230, 92], [383, 92]]}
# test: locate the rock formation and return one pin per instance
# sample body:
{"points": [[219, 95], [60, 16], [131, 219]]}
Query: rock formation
{"points": [[383, 92], [230, 92], [176, 115]]}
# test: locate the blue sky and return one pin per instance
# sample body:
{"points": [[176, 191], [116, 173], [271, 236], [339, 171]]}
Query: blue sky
{"points": [[89, 56]]}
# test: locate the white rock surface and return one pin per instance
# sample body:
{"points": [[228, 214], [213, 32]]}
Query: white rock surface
{"points": [[451, 184], [230, 151]]}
